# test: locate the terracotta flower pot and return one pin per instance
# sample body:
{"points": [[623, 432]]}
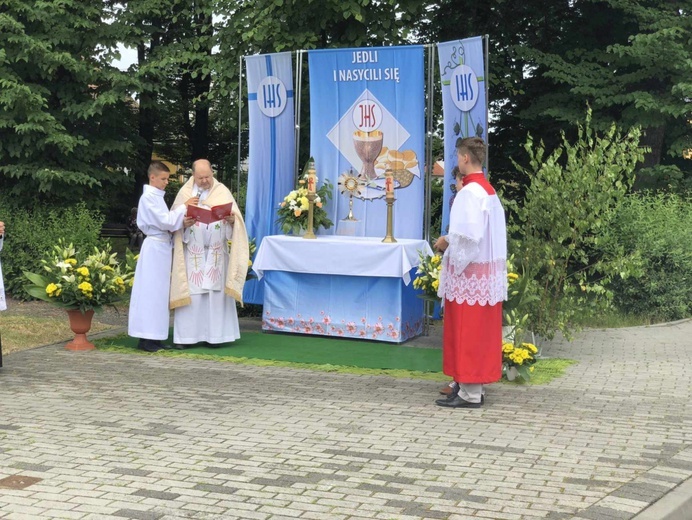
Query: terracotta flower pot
{"points": [[80, 323]]}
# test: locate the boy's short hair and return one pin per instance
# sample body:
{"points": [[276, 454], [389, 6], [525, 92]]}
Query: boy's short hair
{"points": [[474, 146], [157, 167]]}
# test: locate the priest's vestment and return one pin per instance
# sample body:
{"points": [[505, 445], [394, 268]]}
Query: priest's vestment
{"points": [[149, 317], [473, 284], [210, 263]]}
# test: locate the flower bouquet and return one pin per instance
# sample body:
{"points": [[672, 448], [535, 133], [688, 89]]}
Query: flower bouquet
{"points": [[81, 282], [517, 360], [428, 275], [517, 356], [293, 211]]}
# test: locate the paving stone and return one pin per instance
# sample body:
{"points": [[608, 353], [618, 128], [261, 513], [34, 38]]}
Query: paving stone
{"points": [[131, 471], [210, 488], [159, 495], [138, 515], [32, 467]]}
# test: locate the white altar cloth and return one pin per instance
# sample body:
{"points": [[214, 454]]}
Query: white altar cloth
{"points": [[339, 255]]}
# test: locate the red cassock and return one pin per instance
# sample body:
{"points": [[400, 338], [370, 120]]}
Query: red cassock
{"points": [[472, 342]]}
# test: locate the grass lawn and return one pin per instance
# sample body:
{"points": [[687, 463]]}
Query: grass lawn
{"points": [[24, 332], [327, 355]]}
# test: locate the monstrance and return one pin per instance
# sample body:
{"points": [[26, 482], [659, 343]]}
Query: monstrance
{"points": [[349, 182]]}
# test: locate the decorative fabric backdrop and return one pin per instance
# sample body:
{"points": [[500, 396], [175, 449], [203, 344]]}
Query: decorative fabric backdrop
{"points": [[367, 113], [272, 148], [464, 104]]}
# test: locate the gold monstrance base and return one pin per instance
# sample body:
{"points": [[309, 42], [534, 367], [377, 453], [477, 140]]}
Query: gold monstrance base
{"points": [[350, 210]]}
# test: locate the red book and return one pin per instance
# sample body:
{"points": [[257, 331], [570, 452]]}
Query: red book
{"points": [[207, 216]]}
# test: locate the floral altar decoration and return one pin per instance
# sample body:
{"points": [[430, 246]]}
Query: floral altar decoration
{"points": [[517, 360], [518, 356], [428, 275], [82, 282], [293, 210]]}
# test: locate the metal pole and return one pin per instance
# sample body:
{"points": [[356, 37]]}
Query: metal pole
{"points": [[486, 40], [429, 139], [240, 114], [297, 96]]}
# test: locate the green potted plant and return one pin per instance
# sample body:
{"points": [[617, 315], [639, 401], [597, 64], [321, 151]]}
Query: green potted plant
{"points": [[81, 283]]}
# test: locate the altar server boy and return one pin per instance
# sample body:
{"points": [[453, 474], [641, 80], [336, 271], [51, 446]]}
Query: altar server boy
{"points": [[149, 317]]}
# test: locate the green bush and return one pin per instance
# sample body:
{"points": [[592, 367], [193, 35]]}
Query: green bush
{"points": [[32, 232], [658, 229], [556, 231]]}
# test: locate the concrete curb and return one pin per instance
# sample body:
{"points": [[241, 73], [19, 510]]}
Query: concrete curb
{"points": [[675, 505]]}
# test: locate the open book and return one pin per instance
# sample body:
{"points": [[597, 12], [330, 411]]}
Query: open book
{"points": [[207, 216]]}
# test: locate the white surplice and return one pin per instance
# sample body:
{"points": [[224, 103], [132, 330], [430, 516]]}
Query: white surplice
{"points": [[149, 317], [212, 315], [3, 303]]}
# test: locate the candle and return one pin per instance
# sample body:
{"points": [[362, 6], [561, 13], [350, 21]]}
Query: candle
{"points": [[311, 181], [389, 182]]}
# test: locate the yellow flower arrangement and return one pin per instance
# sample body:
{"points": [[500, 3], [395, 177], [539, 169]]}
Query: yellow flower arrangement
{"points": [[519, 357], [293, 210], [428, 275], [75, 281]]}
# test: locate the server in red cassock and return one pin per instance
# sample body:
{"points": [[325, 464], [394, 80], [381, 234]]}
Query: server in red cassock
{"points": [[473, 282]]}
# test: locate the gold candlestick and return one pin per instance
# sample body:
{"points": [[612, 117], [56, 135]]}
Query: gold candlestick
{"points": [[389, 239], [310, 233], [389, 190]]}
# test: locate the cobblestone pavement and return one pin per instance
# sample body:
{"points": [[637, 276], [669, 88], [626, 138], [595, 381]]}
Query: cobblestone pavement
{"points": [[105, 435]]}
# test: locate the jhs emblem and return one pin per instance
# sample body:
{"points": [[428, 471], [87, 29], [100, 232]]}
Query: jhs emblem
{"points": [[464, 88], [367, 116], [271, 96]]}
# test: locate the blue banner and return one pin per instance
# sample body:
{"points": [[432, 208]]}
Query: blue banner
{"points": [[464, 104], [272, 148], [367, 116]]}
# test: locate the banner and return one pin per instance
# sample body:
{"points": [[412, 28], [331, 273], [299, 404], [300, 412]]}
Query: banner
{"points": [[367, 115], [272, 148], [464, 105]]}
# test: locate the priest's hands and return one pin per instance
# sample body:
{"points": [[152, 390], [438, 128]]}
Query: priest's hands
{"points": [[194, 201], [441, 244], [230, 219], [188, 221]]}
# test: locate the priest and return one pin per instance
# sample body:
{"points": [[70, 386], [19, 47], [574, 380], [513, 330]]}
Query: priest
{"points": [[473, 282], [210, 264]]}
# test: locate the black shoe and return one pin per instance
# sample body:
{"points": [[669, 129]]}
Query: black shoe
{"points": [[457, 402], [178, 346], [455, 392], [149, 345]]}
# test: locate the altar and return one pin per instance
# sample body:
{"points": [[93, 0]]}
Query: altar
{"points": [[355, 287]]}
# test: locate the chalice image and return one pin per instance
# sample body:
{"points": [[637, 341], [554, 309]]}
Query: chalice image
{"points": [[368, 146]]}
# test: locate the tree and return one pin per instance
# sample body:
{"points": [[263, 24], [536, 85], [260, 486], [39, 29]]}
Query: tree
{"points": [[631, 60], [628, 59], [64, 127]]}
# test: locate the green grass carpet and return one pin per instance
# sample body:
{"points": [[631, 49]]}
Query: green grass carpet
{"points": [[325, 354]]}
